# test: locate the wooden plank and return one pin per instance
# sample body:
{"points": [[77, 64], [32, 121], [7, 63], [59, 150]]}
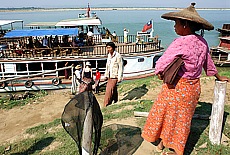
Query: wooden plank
{"points": [[141, 114], [215, 130], [195, 116]]}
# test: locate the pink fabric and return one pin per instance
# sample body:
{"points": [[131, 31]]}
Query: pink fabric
{"points": [[194, 50]]}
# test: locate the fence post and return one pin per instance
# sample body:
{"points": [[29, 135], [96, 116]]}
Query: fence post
{"points": [[217, 114]]}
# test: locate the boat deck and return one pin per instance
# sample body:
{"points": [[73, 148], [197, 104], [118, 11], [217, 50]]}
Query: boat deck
{"points": [[74, 52]]}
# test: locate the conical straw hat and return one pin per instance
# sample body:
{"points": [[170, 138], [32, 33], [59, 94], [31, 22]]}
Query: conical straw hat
{"points": [[190, 14]]}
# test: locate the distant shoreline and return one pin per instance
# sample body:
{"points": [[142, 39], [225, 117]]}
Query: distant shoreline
{"points": [[98, 9]]}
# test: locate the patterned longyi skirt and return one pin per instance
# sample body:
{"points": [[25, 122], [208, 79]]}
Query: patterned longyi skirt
{"points": [[171, 114]]}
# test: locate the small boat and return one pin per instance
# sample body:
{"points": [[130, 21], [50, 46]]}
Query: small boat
{"points": [[8, 25], [221, 53], [27, 64], [225, 30]]}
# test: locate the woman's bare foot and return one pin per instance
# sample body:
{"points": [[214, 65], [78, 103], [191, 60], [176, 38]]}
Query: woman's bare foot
{"points": [[160, 146]]}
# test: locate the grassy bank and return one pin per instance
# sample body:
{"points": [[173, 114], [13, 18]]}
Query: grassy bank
{"points": [[51, 139]]}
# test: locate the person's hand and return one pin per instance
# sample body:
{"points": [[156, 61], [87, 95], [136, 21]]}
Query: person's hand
{"points": [[222, 78]]}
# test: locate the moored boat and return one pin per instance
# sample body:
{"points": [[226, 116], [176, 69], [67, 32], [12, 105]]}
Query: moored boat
{"points": [[33, 66], [221, 53]]}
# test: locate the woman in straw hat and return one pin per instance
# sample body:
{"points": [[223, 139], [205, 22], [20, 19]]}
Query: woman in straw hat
{"points": [[169, 120]]}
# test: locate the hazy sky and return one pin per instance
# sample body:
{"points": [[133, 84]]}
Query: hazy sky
{"points": [[114, 3]]}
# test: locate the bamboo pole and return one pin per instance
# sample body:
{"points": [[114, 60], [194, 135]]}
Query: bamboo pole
{"points": [[216, 123]]}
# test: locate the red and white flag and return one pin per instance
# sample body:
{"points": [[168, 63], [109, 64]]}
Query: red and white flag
{"points": [[147, 26]]}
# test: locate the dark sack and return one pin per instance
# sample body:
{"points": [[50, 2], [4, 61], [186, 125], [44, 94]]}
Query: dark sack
{"points": [[171, 70]]}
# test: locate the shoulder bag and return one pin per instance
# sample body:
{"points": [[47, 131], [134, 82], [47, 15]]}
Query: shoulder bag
{"points": [[171, 70]]}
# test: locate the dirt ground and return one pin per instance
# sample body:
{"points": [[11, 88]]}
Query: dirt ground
{"points": [[14, 122]]}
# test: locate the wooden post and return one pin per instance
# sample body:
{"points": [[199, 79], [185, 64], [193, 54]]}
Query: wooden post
{"points": [[216, 121], [87, 133]]}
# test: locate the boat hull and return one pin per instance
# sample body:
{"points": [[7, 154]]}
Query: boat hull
{"points": [[139, 65]]}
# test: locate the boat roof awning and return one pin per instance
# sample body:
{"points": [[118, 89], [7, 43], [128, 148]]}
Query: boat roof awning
{"points": [[41, 24], [41, 32], [79, 22], [6, 22]]}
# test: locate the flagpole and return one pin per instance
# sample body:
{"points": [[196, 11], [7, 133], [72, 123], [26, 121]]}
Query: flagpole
{"points": [[152, 30]]}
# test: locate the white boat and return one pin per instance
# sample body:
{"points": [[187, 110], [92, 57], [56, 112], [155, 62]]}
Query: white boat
{"points": [[36, 68], [8, 25]]}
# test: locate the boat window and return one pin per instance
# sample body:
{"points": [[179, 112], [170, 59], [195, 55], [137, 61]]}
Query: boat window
{"points": [[34, 66], [21, 67], [49, 66], [101, 65], [141, 60], [155, 60]]}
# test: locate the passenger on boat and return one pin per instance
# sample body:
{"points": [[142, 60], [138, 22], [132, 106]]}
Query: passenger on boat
{"points": [[126, 32], [81, 39], [107, 34], [55, 41], [37, 43], [90, 37], [45, 42], [18, 48], [114, 39], [169, 120], [31, 43], [113, 73]]}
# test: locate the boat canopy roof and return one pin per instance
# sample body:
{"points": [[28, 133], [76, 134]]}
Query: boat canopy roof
{"points": [[80, 22], [41, 32], [6, 22], [38, 24]]}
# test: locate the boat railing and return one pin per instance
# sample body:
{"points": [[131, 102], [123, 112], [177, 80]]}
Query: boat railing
{"points": [[44, 73], [95, 50], [7, 77]]}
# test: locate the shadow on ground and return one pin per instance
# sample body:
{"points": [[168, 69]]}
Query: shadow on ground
{"points": [[40, 145], [120, 139], [136, 93], [199, 126]]}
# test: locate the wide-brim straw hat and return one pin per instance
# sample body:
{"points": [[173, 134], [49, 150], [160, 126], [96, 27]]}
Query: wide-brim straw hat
{"points": [[87, 63], [189, 14], [78, 67]]}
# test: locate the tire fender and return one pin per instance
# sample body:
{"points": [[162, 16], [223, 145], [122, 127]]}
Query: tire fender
{"points": [[2, 85], [56, 81], [29, 84]]}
